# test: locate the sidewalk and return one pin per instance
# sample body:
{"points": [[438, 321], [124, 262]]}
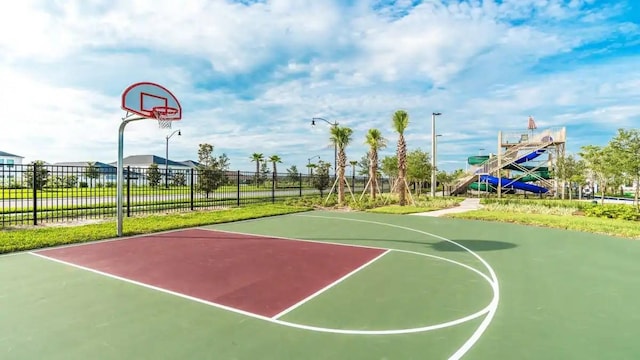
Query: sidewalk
{"points": [[468, 204]]}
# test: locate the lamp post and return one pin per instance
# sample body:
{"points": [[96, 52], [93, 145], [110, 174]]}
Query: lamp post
{"points": [[435, 160], [309, 172], [335, 146], [433, 152], [479, 172], [166, 158]]}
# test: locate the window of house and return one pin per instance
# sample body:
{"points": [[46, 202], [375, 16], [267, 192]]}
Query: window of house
{"points": [[10, 162], [1, 162]]}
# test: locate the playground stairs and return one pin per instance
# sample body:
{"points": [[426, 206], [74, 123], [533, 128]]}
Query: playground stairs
{"points": [[509, 157]]}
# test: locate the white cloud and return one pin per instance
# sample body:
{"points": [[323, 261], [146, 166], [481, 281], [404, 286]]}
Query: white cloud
{"points": [[251, 77]]}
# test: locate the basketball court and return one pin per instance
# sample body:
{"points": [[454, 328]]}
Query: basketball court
{"points": [[324, 285], [321, 285]]}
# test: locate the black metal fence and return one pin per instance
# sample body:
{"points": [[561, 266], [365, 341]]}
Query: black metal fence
{"points": [[36, 193]]}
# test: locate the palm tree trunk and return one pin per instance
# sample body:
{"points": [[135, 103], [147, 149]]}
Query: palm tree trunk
{"points": [[342, 161], [373, 170], [402, 170]]}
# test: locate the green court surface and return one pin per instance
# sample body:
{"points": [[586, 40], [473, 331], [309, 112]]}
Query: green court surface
{"points": [[518, 293]]}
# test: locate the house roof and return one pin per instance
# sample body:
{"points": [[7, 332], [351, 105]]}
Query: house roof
{"points": [[146, 160], [84, 163], [190, 163], [2, 153]]}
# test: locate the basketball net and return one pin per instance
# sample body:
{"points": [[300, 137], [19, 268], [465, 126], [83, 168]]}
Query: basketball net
{"points": [[164, 123], [165, 116]]}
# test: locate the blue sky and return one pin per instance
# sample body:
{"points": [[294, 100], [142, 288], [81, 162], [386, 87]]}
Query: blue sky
{"points": [[251, 74]]}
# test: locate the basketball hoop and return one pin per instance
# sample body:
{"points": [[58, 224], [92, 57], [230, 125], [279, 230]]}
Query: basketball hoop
{"points": [[165, 115]]}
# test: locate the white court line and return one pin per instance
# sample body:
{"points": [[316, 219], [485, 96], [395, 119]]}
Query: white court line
{"points": [[489, 310], [310, 297], [152, 287], [484, 263], [137, 236], [470, 268], [293, 239], [92, 242], [494, 283], [296, 325]]}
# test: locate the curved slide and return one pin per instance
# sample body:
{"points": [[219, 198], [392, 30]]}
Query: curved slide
{"points": [[510, 183], [513, 184]]}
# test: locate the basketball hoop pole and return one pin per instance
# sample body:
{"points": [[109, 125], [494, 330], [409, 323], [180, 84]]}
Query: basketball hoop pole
{"points": [[120, 170], [143, 100]]}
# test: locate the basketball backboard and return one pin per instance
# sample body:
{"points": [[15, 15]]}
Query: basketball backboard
{"points": [[146, 98]]}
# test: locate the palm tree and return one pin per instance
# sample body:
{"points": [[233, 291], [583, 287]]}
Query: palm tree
{"points": [[311, 167], [341, 137], [258, 158], [400, 123], [375, 142], [275, 159]]}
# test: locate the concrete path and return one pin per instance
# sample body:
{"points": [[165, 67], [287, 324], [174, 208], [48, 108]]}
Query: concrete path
{"points": [[468, 204]]}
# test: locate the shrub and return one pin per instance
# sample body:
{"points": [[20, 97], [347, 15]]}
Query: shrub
{"points": [[613, 211], [531, 208], [14, 185], [549, 203]]}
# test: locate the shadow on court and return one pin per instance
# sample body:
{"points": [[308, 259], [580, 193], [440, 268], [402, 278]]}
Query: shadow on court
{"points": [[473, 245]]}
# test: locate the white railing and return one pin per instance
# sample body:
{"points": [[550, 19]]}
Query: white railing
{"points": [[530, 142]]}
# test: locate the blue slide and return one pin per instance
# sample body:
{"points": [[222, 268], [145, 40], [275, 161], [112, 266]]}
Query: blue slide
{"points": [[513, 184]]}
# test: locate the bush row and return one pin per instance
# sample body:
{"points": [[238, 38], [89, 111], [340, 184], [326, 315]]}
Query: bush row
{"points": [[367, 202], [564, 207]]}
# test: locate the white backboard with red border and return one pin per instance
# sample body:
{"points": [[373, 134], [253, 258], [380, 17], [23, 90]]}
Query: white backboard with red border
{"points": [[149, 100]]}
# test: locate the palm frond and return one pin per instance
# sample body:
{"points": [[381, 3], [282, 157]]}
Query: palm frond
{"points": [[400, 121]]}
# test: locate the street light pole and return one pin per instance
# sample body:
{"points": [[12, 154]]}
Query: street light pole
{"points": [[435, 157], [166, 158], [479, 172], [335, 146], [433, 152]]}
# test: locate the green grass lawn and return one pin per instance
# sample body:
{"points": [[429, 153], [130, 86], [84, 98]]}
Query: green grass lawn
{"points": [[421, 205], [614, 227]]}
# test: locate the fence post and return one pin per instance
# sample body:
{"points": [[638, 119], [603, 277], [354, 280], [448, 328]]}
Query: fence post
{"points": [[35, 194], [238, 188], [191, 188], [273, 188], [128, 191], [300, 178]]}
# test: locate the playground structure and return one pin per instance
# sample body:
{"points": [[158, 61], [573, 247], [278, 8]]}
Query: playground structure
{"points": [[524, 162]]}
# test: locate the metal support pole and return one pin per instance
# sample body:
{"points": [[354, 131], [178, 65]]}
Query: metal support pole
{"points": [[499, 164], [166, 159], [35, 186], [120, 175], [166, 164], [433, 153]]}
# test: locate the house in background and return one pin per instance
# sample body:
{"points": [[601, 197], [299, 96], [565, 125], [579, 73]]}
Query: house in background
{"points": [[8, 171], [104, 174], [140, 164]]}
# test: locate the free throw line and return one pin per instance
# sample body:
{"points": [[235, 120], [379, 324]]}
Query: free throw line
{"points": [[317, 293]]}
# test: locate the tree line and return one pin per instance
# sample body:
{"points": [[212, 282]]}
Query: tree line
{"points": [[611, 166]]}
